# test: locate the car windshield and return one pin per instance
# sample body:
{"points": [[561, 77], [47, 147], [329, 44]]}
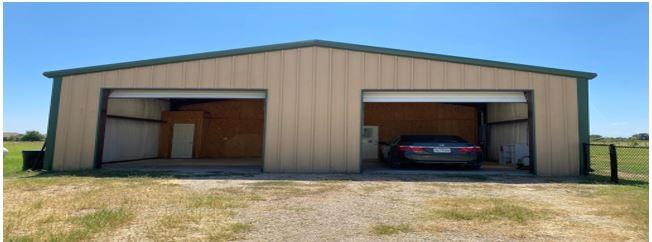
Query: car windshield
{"points": [[432, 138]]}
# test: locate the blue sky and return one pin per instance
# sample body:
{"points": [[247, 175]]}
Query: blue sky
{"points": [[606, 38]]}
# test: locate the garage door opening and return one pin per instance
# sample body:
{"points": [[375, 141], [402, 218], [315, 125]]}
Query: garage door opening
{"points": [[190, 130], [496, 125]]}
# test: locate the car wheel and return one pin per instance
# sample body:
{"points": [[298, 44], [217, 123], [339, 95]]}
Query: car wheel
{"points": [[393, 161]]}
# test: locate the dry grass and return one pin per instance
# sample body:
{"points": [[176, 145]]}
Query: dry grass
{"points": [[484, 210], [628, 204], [384, 229], [77, 208], [288, 189], [73, 209]]}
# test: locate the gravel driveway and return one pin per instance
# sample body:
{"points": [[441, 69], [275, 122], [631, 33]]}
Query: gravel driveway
{"points": [[420, 207]]}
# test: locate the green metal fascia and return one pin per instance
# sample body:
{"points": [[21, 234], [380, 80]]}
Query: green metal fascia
{"points": [[323, 43], [583, 117], [52, 124]]}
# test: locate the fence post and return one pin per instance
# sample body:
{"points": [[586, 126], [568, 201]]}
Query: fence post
{"points": [[586, 165], [614, 163]]}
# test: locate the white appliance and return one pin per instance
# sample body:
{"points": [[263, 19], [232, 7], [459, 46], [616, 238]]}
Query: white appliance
{"points": [[514, 154], [369, 142]]}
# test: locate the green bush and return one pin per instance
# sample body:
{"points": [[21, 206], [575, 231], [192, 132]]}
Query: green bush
{"points": [[32, 136]]}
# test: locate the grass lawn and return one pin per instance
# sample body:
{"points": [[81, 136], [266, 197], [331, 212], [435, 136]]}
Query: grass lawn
{"points": [[633, 163], [104, 205], [13, 162]]}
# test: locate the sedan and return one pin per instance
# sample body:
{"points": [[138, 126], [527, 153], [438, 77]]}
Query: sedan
{"points": [[430, 149]]}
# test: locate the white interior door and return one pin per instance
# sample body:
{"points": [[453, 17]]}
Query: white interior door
{"points": [[182, 140], [369, 142]]}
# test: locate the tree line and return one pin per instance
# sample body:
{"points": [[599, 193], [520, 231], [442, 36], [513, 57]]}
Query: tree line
{"points": [[28, 136]]}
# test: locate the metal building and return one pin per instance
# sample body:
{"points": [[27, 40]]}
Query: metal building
{"points": [[303, 106]]}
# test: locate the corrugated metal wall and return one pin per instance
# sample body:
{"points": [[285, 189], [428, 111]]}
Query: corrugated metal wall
{"points": [[127, 139], [506, 133], [313, 106]]}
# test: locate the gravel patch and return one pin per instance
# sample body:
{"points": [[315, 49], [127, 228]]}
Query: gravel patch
{"points": [[349, 206]]}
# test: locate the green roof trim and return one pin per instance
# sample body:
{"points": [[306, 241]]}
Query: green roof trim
{"points": [[322, 43]]}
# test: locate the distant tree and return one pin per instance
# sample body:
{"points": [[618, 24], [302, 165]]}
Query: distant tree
{"points": [[641, 136], [12, 138], [595, 137], [32, 136]]}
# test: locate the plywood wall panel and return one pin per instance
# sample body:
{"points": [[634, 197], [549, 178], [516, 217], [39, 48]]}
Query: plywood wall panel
{"points": [[421, 118], [313, 97], [232, 128]]}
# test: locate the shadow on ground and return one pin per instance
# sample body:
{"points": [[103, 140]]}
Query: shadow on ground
{"points": [[404, 175]]}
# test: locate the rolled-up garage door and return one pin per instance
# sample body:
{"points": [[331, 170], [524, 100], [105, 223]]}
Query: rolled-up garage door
{"points": [[445, 96], [158, 93]]}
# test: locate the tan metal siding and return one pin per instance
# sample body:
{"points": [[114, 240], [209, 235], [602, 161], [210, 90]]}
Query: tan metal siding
{"points": [[318, 131], [497, 112]]}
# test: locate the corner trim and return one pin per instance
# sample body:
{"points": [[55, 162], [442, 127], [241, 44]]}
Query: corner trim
{"points": [[583, 118], [101, 126], [53, 119]]}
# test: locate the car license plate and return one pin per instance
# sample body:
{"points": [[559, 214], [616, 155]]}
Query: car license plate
{"points": [[441, 150]]}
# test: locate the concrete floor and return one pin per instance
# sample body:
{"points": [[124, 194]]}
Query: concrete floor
{"points": [[488, 168], [255, 165], [246, 165]]}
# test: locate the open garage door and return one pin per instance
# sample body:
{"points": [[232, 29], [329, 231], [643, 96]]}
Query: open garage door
{"points": [[444, 97], [494, 121], [168, 128]]}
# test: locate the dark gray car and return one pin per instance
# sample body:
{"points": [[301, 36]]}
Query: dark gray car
{"points": [[430, 149]]}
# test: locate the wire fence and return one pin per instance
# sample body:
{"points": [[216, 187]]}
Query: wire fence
{"points": [[617, 163]]}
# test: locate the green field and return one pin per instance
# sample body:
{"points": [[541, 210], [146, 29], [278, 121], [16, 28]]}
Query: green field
{"points": [[637, 143], [13, 161], [633, 162]]}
